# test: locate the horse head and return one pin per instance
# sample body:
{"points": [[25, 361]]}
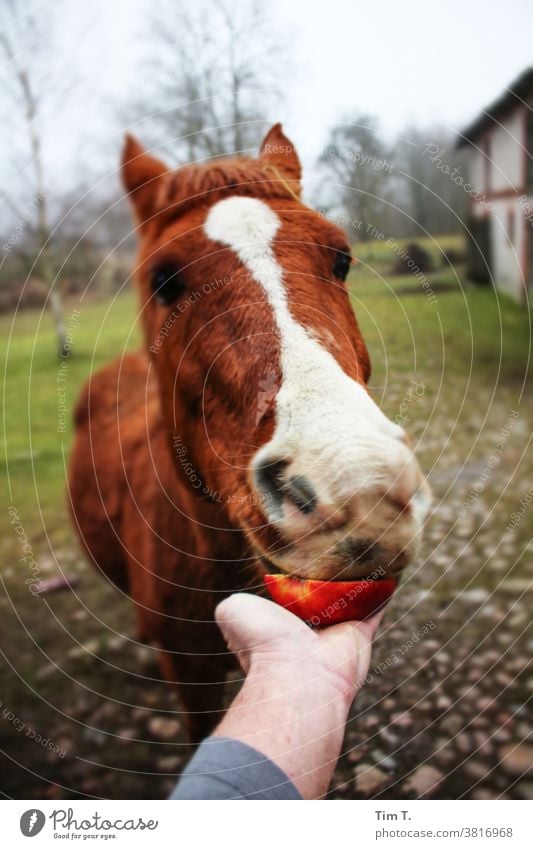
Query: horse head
{"points": [[262, 369]]}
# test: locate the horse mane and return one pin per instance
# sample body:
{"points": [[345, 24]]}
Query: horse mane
{"points": [[200, 182]]}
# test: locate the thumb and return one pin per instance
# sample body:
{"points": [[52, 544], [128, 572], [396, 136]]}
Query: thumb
{"points": [[251, 624], [346, 648]]}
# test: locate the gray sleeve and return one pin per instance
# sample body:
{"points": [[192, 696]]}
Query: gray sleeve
{"points": [[223, 768]]}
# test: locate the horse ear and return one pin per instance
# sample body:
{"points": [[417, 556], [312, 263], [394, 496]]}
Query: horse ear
{"points": [[141, 176], [278, 151]]}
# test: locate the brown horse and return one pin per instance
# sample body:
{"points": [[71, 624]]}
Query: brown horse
{"points": [[244, 440]]}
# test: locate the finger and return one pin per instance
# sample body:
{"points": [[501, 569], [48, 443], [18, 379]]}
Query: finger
{"points": [[347, 647], [367, 629], [374, 622], [252, 615], [251, 623]]}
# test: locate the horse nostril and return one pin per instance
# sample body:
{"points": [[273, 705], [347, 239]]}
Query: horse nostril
{"points": [[270, 479], [301, 492]]}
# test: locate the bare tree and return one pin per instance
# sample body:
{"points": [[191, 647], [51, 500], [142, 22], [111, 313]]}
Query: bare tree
{"points": [[429, 166], [357, 170], [27, 47], [219, 72]]}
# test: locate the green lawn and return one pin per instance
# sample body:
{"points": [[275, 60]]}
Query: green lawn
{"points": [[381, 253], [34, 449]]}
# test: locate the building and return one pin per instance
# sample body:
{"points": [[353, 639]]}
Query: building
{"points": [[500, 153]]}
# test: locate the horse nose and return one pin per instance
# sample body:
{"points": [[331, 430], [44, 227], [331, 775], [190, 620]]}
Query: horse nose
{"points": [[275, 484], [344, 495]]}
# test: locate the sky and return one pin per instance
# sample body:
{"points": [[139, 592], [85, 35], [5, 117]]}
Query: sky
{"points": [[412, 62], [415, 61]]}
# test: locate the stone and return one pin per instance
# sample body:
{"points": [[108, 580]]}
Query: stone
{"points": [[168, 764], [502, 735], [485, 793], [464, 743], [46, 672], [443, 752], [127, 734], [354, 755], [516, 585], [525, 788], [145, 655], [382, 759], [389, 737], [425, 781], [107, 710], [79, 615], [151, 698], [524, 731], [403, 720], [139, 714], [370, 779], [451, 724], [483, 740], [476, 770], [117, 642], [517, 759], [477, 595], [94, 736], [163, 728]]}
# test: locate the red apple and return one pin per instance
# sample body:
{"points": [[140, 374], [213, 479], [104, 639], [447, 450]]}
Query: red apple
{"points": [[324, 603]]}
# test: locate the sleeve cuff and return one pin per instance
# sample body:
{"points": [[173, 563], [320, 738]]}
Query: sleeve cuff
{"points": [[224, 768]]}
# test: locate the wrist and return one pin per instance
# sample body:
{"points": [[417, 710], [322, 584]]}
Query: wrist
{"points": [[295, 717]]}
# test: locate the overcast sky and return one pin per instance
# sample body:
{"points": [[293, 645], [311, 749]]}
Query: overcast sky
{"points": [[412, 61], [415, 61]]}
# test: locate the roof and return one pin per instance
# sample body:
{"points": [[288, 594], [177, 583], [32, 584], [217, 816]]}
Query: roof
{"points": [[512, 97]]}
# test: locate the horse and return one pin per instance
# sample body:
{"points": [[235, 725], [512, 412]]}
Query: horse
{"points": [[242, 439]]}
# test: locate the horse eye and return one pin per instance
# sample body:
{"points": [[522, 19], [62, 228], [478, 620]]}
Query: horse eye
{"points": [[341, 265], [167, 284]]}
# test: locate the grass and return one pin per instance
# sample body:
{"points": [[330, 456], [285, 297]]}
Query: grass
{"points": [[34, 450], [456, 327], [382, 253]]}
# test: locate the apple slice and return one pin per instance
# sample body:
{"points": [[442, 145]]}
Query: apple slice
{"points": [[322, 603]]}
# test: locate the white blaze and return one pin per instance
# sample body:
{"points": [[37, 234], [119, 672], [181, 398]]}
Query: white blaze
{"points": [[326, 423]]}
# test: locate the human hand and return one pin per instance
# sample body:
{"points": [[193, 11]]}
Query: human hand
{"points": [[261, 632], [299, 687]]}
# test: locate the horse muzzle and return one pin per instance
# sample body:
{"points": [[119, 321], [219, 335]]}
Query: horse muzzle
{"points": [[334, 525]]}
